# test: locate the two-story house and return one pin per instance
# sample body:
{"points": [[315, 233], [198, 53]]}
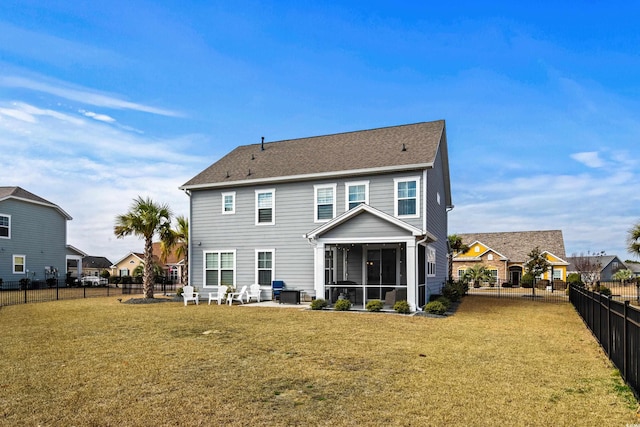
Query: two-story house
{"points": [[505, 254], [359, 213], [33, 237]]}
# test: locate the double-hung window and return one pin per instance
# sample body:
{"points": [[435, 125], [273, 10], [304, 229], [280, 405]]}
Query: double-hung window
{"points": [[5, 226], [431, 261], [407, 197], [264, 266], [325, 202], [220, 268], [356, 193], [265, 207], [19, 264], [228, 203]]}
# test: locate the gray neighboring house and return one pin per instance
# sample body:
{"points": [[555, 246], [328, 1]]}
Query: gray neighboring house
{"points": [[33, 237], [362, 214], [609, 265]]}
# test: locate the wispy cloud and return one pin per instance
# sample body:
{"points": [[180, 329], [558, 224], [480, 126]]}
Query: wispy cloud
{"points": [[589, 158], [82, 95], [99, 117]]}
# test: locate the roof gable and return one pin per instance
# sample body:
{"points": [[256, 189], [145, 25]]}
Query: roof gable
{"points": [[516, 245], [403, 147], [19, 193], [350, 214]]}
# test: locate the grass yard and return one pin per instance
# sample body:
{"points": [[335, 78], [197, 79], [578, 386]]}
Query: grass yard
{"points": [[97, 362]]}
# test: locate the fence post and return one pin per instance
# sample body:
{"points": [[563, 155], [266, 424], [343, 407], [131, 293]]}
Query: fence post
{"points": [[609, 332], [624, 339]]}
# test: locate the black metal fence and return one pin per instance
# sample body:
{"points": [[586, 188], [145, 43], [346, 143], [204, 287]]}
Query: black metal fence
{"points": [[555, 294], [12, 293], [616, 325]]}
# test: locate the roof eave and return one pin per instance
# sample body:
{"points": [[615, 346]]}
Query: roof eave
{"points": [[309, 177]]}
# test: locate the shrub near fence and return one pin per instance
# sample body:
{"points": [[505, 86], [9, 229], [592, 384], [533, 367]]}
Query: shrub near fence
{"points": [[616, 326]]}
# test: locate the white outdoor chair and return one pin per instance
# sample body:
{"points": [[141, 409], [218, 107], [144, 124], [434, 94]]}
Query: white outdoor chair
{"points": [[219, 294], [237, 296], [189, 295], [254, 292]]}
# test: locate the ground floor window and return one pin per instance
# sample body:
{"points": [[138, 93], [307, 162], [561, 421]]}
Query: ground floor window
{"points": [[124, 272], [264, 267], [19, 263], [557, 274], [220, 268]]}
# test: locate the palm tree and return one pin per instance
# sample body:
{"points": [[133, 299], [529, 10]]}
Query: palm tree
{"points": [[478, 273], [145, 219], [178, 239], [633, 240], [456, 246]]}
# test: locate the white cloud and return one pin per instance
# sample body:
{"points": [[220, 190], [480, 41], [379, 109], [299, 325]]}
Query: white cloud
{"points": [[93, 169], [589, 158], [83, 95], [99, 117]]}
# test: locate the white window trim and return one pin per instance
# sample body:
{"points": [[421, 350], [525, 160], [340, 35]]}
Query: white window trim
{"points": [[273, 263], [9, 236], [317, 187], [204, 266], [273, 206], [24, 265], [396, 181], [233, 206], [352, 184]]}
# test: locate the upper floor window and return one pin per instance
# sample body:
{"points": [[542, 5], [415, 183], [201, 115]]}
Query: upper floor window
{"points": [[229, 203], [325, 202], [265, 207], [19, 264], [356, 193], [407, 197], [5, 226]]}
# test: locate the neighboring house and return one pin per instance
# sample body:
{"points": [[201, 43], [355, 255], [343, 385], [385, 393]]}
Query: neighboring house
{"points": [[506, 253], [172, 267], [360, 213], [609, 265], [91, 266], [33, 237], [634, 267]]}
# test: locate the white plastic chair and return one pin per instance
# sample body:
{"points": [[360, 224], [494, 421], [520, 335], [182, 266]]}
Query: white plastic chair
{"points": [[219, 294], [254, 292], [237, 296], [189, 295]]}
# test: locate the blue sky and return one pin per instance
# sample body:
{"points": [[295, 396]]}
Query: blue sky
{"points": [[102, 102]]}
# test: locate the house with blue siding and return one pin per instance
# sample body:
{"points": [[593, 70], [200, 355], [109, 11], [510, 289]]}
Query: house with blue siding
{"points": [[33, 237], [359, 215]]}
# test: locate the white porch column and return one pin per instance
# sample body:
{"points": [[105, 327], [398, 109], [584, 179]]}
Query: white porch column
{"points": [[318, 276], [412, 278]]}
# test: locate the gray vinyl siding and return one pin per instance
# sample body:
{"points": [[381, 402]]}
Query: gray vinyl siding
{"points": [[37, 232], [437, 219], [365, 225], [294, 217]]}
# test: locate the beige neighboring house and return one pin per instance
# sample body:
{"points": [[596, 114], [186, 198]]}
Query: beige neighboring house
{"points": [[505, 254], [172, 267]]}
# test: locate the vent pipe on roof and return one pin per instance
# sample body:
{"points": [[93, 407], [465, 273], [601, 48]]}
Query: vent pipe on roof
{"points": [[404, 148], [249, 174], [252, 157], [262, 146], [227, 175]]}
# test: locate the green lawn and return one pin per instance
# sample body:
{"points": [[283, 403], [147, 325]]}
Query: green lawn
{"points": [[98, 362]]}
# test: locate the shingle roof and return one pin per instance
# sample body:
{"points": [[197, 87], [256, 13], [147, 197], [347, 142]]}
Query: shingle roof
{"points": [[95, 262], [604, 260], [20, 193], [516, 245], [347, 153]]}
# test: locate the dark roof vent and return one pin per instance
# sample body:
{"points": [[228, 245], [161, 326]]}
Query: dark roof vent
{"points": [[252, 157], [262, 145], [249, 174], [227, 175], [404, 148]]}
